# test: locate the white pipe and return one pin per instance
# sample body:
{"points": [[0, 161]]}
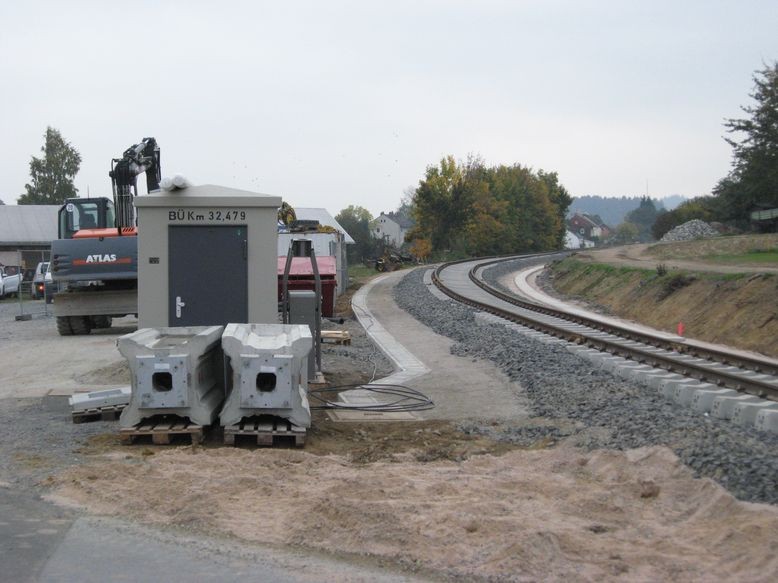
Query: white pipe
{"points": [[178, 182]]}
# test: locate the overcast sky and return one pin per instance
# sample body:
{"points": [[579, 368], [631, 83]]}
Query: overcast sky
{"points": [[337, 103]]}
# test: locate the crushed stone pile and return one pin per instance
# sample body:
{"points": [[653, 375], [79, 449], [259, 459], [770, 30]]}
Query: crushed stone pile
{"points": [[690, 230]]}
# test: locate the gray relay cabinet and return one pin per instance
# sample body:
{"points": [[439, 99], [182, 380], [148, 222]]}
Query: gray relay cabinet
{"points": [[206, 256]]}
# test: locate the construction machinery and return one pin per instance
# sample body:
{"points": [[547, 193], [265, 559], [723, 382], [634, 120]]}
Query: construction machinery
{"points": [[95, 257]]}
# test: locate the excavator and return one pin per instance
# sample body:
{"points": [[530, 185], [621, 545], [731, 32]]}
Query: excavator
{"points": [[94, 261]]}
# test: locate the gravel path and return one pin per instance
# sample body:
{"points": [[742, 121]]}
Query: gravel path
{"points": [[597, 410]]}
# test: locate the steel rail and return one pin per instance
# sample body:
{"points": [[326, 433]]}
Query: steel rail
{"points": [[654, 353], [708, 353]]}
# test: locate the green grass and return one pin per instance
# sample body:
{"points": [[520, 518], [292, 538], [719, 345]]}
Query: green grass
{"points": [[359, 274], [584, 267], [360, 271], [648, 276], [755, 256]]}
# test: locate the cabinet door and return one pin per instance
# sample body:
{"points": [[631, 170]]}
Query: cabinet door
{"points": [[208, 275]]}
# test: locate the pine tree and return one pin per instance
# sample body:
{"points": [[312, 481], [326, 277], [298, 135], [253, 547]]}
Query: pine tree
{"points": [[753, 180]]}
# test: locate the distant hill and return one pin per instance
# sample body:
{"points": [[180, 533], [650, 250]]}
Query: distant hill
{"points": [[613, 210]]}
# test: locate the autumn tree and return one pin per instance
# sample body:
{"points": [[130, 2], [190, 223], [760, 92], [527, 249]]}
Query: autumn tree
{"points": [[439, 206], [471, 209], [420, 249], [561, 200], [52, 175]]}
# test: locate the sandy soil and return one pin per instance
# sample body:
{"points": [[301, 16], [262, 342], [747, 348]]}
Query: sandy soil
{"points": [[554, 514]]}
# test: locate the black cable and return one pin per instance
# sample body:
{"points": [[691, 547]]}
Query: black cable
{"points": [[406, 398]]}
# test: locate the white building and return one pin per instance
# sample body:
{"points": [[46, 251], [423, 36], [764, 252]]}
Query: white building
{"points": [[392, 228], [573, 241]]}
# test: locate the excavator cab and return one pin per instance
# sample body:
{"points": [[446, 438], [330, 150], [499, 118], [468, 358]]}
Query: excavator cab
{"points": [[85, 214]]}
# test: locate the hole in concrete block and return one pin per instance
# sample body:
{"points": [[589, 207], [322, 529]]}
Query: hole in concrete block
{"points": [[162, 381], [266, 382]]}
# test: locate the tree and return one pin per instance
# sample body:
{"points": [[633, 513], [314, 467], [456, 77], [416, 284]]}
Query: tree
{"points": [[753, 180], [644, 217], [356, 220], [471, 209], [561, 199], [420, 249], [52, 176], [437, 207], [627, 232]]}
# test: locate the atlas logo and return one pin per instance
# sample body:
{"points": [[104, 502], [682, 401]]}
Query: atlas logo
{"points": [[103, 259], [107, 258]]}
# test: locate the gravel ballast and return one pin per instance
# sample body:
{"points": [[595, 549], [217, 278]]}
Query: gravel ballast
{"points": [[596, 409], [689, 231]]}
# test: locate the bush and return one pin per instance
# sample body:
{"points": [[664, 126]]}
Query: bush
{"points": [[674, 283]]}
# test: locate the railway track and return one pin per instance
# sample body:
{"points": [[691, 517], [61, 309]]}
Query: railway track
{"points": [[463, 282]]}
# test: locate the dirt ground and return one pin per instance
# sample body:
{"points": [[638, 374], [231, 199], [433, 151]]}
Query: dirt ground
{"points": [[555, 514], [724, 304], [423, 497], [687, 255]]}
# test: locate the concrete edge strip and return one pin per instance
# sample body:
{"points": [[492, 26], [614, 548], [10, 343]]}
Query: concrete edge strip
{"points": [[408, 366]]}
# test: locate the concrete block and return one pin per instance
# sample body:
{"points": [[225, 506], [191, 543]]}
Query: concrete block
{"points": [[668, 386], [588, 354], [767, 420], [724, 407], [639, 372], [644, 373], [174, 371], [611, 363], [703, 399], [745, 413], [625, 371], [95, 399], [684, 394], [267, 372], [656, 381]]}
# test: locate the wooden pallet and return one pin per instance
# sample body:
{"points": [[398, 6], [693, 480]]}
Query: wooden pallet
{"points": [[108, 413], [161, 430], [266, 431], [336, 336]]}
